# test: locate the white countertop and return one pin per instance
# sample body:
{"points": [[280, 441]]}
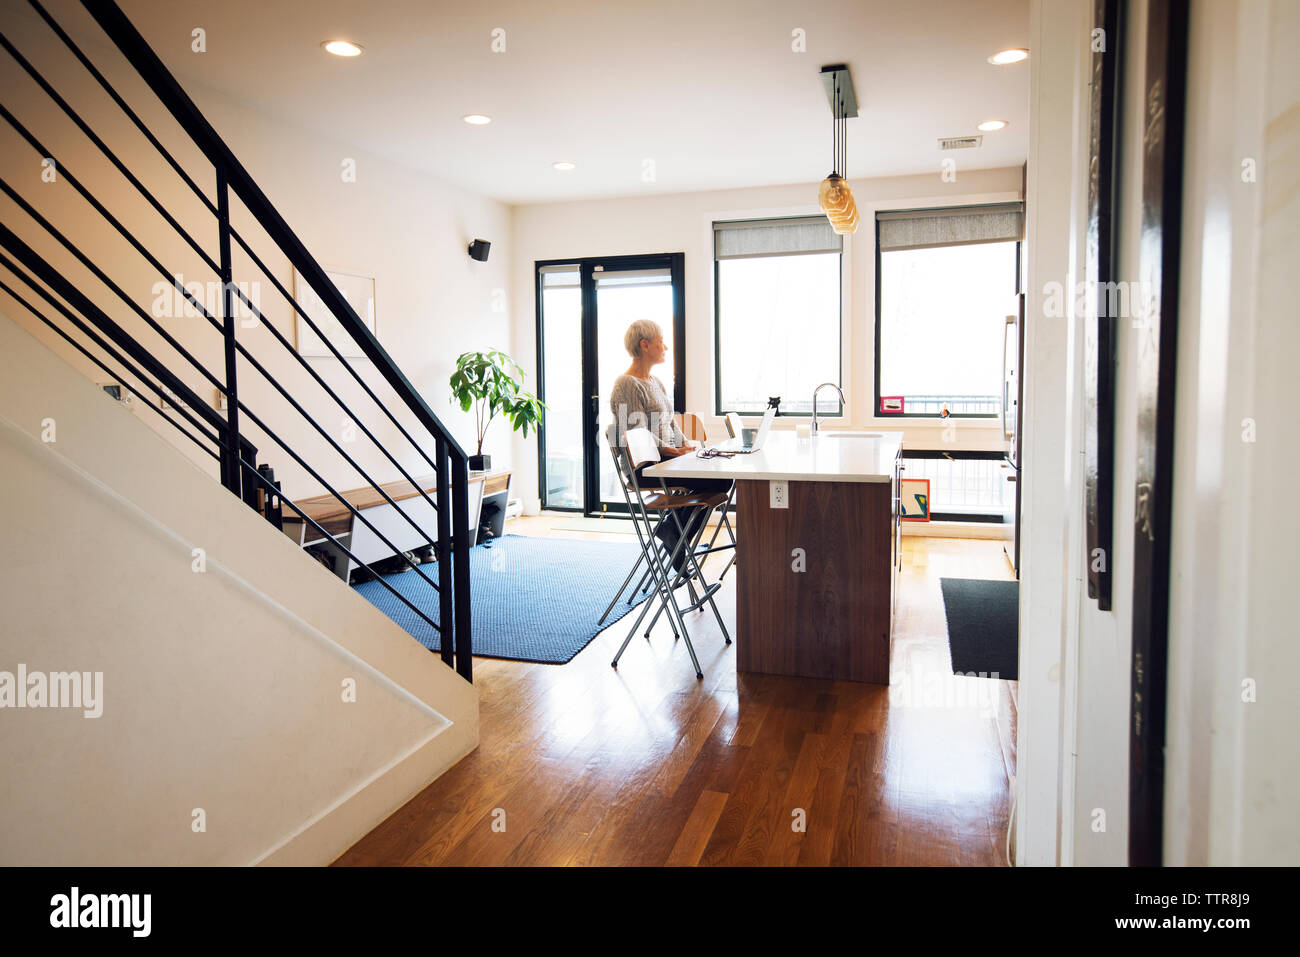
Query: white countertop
{"points": [[827, 457]]}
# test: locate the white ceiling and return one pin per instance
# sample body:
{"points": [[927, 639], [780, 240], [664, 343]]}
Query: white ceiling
{"points": [[710, 90]]}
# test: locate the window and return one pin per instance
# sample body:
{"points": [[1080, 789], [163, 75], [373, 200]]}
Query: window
{"points": [[946, 280], [964, 486], [778, 306]]}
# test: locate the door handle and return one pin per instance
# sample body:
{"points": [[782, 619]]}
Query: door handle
{"points": [[1006, 385]]}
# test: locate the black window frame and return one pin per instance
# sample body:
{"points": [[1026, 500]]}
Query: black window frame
{"points": [[718, 410], [878, 411]]}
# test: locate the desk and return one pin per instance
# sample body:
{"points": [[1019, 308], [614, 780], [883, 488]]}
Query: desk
{"points": [[362, 541], [816, 580]]}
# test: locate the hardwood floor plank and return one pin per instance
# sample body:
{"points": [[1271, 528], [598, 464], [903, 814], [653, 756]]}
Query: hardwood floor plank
{"points": [[818, 844], [790, 820], [695, 835], [665, 807], [646, 765]]}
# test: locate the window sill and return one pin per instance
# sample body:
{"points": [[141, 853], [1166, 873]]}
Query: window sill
{"points": [[960, 530]]}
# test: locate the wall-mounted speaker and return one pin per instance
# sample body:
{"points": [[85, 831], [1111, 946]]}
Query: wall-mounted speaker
{"points": [[478, 250]]}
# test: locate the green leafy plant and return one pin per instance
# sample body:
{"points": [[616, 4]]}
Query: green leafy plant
{"points": [[486, 382]]}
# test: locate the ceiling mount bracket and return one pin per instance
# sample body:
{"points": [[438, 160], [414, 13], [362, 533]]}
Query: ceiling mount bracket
{"points": [[841, 73]]}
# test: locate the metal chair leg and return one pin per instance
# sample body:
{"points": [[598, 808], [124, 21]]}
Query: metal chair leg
{"points": [[708, 595], [727, 567], [646, 542], [732, 560], [642, 586], [653, 621], [665, 585], [614, 601]]}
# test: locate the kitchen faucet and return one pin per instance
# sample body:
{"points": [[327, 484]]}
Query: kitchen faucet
{"points": [[815, 426]]}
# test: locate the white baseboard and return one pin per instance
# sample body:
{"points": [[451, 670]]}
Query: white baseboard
{"points": [[960, 530], [327, 837]]}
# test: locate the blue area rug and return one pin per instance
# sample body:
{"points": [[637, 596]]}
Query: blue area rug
{"points": [[531, 599]]}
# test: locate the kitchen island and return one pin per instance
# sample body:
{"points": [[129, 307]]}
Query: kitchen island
{"points": [[817, 551]]}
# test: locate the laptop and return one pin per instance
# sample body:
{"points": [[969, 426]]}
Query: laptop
{"points": [[737, 444]]}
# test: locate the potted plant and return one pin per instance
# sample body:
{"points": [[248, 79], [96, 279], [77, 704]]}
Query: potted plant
{"points": [[486, 381]]}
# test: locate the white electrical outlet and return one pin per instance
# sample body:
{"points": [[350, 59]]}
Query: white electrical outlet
{"points": [[779, 492]]}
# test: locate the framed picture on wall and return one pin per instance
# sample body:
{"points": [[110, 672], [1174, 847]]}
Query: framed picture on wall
{"points": [[1154, 361], [1100, 309], [358, 288], [914, 500]]}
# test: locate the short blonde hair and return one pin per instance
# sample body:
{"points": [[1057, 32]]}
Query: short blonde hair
{"points": [[641, 329]]}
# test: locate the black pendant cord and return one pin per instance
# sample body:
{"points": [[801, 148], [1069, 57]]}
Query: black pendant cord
{"points": [[844, 146], [835, 132]]}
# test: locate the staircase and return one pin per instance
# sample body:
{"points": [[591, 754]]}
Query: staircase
{"points": [[245, 685]]}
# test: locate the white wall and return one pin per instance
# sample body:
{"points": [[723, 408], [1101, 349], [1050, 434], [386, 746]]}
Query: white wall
{"points": [[1048, 583], [1232, 775], [407, 229], [222, 690], [683, 222]]}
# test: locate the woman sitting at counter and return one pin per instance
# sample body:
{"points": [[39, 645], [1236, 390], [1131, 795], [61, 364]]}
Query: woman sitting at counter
{"points": [[639, 400]]}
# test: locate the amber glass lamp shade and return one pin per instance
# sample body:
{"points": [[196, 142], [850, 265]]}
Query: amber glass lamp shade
{"points": [[834, 196], [847, 221]]}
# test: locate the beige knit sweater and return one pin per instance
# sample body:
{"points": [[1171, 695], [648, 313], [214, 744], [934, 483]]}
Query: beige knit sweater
{"points": [[638, 404]]}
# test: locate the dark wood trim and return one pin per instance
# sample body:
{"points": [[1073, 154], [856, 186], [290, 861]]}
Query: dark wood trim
{"points": [[1099, 325], [1155, 362]]}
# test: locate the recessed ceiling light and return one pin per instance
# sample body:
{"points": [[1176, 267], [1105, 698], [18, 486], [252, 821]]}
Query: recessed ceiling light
{"points": [[342, 47], [477, 119], [563, 165], [1009, 56], [988, 126]]}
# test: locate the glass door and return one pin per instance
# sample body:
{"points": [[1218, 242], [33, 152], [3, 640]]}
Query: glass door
{"points": [[559, 344], [584, 309], [622, 297]]}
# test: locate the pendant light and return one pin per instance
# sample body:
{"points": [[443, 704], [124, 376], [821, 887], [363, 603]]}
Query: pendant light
{"points": [[835, 197]]}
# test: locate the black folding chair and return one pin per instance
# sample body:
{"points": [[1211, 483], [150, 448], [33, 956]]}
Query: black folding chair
{"points": [[649, 509]]}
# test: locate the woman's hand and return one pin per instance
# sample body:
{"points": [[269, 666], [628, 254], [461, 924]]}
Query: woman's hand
{"points": [[668, 452]]}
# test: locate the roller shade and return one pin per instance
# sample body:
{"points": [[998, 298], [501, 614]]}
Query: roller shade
{"points": [[553, 276], [957, 226], [633, 278], [775, 237]]}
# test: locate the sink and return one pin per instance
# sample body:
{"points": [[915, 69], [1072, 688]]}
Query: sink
{"points": [[828, 434]]}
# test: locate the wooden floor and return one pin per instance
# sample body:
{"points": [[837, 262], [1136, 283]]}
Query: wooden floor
{"points": [[582, 764]]}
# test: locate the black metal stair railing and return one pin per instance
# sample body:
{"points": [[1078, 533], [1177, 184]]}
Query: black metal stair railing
{"points": [[150, 368]]}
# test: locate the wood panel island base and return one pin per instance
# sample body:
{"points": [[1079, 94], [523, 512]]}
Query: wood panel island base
{"points": [[814, 587], [816, 576]]}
